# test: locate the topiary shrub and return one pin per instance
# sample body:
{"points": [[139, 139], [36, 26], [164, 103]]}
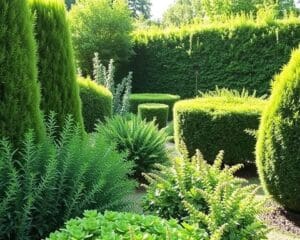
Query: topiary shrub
{"points": [[154, 111], [278, 149], [215, 122], [19, 90], [140, 98], [96, 103], [56, 61]]}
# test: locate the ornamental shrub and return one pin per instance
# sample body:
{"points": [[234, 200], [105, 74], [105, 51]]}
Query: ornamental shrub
{"points": [[19, 90], [58, 179], [277, 150], [96, 103], [154, 111], [56, 61], [199, 122]]}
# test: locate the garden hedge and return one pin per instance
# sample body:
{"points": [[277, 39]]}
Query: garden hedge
{"points": [[278, 145], [211, 124], [140, 98], [96, 103], [151, 111], [237, 54]]}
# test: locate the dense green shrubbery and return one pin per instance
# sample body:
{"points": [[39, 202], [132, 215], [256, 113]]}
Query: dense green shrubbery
{"points": [[58, 179], [219, 121], [19, 91], [56, 64], [96, 103], [194, 191], [143, 142], [154, 111], [224, 55], [278, 146], [140, 98]]}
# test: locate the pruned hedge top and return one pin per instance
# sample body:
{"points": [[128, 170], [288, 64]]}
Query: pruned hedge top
{"points": [[155, 106]]}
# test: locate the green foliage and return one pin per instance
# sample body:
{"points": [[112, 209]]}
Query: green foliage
{"points": [[103, 27], [199, 122], [143, 142], [96, 103], [191, 190], [140, 8], [69, 3], [19, 91], [154, 111], [278, 152], [140, 98], [56, 180], [202, 56], [56, 64]]}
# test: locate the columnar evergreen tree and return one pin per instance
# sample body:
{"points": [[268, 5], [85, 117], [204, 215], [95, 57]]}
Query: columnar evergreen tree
{"points": [[19, 89], [57, 73], [140, 8]]}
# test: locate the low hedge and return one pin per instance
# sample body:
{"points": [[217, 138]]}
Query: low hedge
{"points": [[140, 98], [154, 111], [211, 124], [96, 102]]}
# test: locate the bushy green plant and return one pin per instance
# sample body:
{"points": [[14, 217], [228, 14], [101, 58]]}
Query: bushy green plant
{"points": [[19, 90], [56, 180], [142, 140], [278, 151], [96, 103], [154, 111], [191, 190], [56, 64]]}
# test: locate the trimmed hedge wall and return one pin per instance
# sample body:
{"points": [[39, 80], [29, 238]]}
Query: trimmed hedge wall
{"points": [[211, 124], [96, 103], [140, 98], [150, 111], [236, 55]]}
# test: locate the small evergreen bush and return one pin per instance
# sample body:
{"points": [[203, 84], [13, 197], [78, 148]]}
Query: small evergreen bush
{"points": [[154, 111], [278, 145], [96, 103]]}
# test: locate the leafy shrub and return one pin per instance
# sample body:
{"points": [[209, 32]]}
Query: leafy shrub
{"points": [[199, 122], [19, 91], [56, 180], [154, 111], [192, 190], [96, 103], [56, 65], [140, 98], [278, 152], [143, 142]]}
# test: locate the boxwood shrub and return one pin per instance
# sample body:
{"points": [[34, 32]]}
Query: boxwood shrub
{"points": [[96, 102], [214, 123], [154, 111]]}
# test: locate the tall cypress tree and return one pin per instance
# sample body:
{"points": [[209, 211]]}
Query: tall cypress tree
{"points": [[56, 66], [19, 89]]}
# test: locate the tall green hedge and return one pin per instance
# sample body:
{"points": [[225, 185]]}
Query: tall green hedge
{"points": [[278, 146], [19, 89], [237, 54], [57, 72]]}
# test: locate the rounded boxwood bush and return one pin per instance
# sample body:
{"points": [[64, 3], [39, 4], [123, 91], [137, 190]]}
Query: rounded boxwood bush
{"points": [[140, 98], [154, 111], [214, 123], [278, 145], [96, 102]]}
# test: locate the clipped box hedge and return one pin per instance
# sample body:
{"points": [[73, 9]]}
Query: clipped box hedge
{"points": [[211, 124], [96, 103], [154, 111], [140, 98]]}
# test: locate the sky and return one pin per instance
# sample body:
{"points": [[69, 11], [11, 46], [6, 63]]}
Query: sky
{"points": [[159, 7]]}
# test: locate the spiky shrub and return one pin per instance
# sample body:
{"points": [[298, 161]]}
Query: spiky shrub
{"points": [[19, 90], [277, 150], [96, 103], [57, 180], [154, 111], [56, 65], [192, 190], [143, 142]]}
